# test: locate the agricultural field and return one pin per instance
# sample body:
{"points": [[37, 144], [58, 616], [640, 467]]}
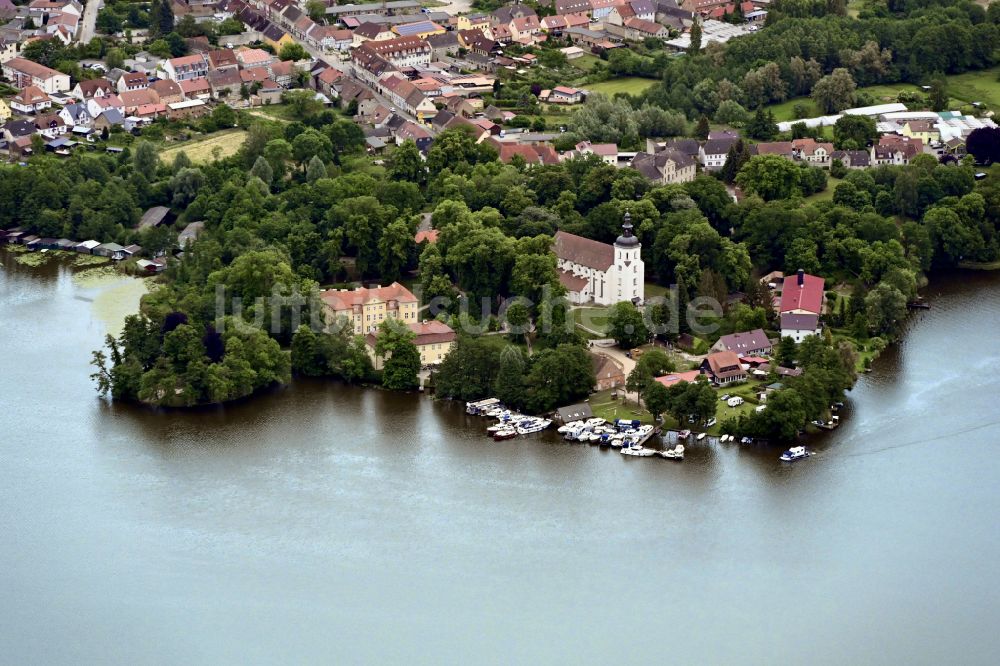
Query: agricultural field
{"points": [[215, 146]]}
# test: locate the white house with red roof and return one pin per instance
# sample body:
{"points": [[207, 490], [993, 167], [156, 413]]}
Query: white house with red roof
{"points": [[802, 294], [433, 339]]}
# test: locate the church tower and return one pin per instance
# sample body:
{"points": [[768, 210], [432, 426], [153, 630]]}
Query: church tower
{"points": [[630, 273]]}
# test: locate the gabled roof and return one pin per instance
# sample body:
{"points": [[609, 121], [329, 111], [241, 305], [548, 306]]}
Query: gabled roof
{"points": [[346, 300], [799, 322], [724, 364], [583, 251], [807, 296], [745, 342]]}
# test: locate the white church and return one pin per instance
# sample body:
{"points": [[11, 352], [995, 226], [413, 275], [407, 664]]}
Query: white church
{"points": [[594, 272]]}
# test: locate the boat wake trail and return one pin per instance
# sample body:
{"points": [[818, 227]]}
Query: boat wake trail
{"points": [[916, 442]]}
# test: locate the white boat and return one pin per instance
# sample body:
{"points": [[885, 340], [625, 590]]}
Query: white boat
{"points": [[536, 425], [794, 453], [498, 427], [593, 423], [481, 406], [637, 451], [676, 453], [506, 433], [701, 436]]}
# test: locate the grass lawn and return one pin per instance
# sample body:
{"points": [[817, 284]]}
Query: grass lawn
{"points": [[827, 194], [594, 319], [204, 149], [608, 408], [585, 63], [633, 85], [653, 289]]}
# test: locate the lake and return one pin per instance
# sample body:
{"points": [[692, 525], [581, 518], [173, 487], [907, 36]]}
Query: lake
{"points": [[322, 523]]}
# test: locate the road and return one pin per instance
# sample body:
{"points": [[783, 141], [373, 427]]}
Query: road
{"points": [[88, 24]]}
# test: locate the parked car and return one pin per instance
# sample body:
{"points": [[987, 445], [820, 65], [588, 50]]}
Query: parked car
{"points": [[725, 396]]}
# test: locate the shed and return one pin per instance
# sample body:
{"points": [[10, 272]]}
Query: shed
{"points": [[574, 413], [112, 250], [190, 233], [154, 217], [87, 246]]}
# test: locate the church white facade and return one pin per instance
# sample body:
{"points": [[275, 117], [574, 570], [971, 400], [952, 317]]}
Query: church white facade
{"points": [[594, 272]]}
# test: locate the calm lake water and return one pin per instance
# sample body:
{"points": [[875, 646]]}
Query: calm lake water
{"points": [[327, 524]]}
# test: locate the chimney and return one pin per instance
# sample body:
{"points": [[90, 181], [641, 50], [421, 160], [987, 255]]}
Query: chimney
{"points": [[802, 277]]}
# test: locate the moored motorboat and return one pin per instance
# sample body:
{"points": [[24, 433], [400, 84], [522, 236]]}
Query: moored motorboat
{"points": [[676, 453], [637, 450], [701, 436], [507, 433], [683, 434], [794, 453]]}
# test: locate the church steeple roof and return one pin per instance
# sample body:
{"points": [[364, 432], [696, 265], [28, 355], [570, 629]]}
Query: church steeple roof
{"points": [[627, 239]]}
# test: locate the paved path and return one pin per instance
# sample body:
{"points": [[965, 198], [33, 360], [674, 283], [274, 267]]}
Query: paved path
{"points": [[88, 24]]}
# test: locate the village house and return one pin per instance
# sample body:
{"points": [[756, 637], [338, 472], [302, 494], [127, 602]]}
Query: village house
{"points": [[895, 150], [598, 272], [608, 373], [186, 68], [30, 100], [433, 339], [748, 343], [133, 99], [924, 130], [812, 152], [784, 149], [195, 89], [84, 90], [372, 32], [167, 91], [23, 73], [665, 166], [365, 308], [407, 96], [8, 48], [50, 125], [532, 154], [132, 81], [608, 152], [714, 151], [724, 368], [564, 95], [852, 159], [636, 30], [5, 112], [524, 29], [76, 115], [799, 326], [802, 294]]}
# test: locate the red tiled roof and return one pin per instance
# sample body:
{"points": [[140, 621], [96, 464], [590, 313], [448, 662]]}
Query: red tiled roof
{"points": [[808, 296], [430, 236], [343, 300], [583, 251]]}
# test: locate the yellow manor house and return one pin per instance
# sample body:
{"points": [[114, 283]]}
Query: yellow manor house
{"points": [[367, 308]]}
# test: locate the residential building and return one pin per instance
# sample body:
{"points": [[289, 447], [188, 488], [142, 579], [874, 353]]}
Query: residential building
{"points": [[747, 343], [666, 166], [802, 294], [23, 73], [4, 112], [852, 159], [608, 373], [84, 90], [714, 151], [366, 308], [403, 51], [76, 115], [50, 125], [132, 81], [812, 152], [724, 368], [798, 327], [598, 272], [433, 339], [608, 152], [565, 95], [372, 32], [186, 68], [31, 99]]}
